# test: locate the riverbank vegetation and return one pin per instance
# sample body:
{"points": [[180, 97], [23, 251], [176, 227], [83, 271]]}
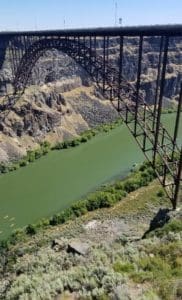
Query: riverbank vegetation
{"points": [[105, 197], [45, 147]]}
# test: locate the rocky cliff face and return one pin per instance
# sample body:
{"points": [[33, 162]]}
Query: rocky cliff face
{"points": [[61, 99], [54, 111], [150, 61]]}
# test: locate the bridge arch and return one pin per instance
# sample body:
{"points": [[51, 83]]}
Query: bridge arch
{"points": [[74, 49]]}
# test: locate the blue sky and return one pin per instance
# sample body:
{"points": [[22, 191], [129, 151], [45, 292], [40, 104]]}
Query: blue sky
{"points": [[50, 14]]}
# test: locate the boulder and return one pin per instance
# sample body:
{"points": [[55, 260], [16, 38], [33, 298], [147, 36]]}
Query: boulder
{"points": [[59, 245], [79, 247]]}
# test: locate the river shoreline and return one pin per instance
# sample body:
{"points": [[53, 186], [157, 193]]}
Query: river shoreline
{"points": [[58, 179]]}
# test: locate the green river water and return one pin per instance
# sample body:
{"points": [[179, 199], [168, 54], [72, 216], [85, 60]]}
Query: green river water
{"points": [[56, 180]]}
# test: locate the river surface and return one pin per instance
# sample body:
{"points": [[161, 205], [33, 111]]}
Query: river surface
{"points": [[54, 181]]}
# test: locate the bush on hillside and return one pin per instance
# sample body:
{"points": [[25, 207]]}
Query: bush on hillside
{"points": [[4, 168], [23, 163], [31, 156], [79, 208], [30, 229]]}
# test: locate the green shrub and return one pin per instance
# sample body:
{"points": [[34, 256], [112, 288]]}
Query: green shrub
{"points": [[110, 189], [67, 144], [31, 156], [106, 129], [17, 235], [160, 193], [61, 218], [174, 226], [106, 199], [119, 194], [121, 267], [88, 135], [145, 165], [131, 185], [23, 163], [66, 215], [93, 132], [165, 289], [146, 177], [92, 203], [4, 168], [31, 229], [75, 143], [54, 220], [100, 200], [13, 167], [43, 223], [79, 208], [4, 245], [83, 139], [154, 264], [38, 153], [57, 146], [168, 251], [141, 276], [45, 144], [123, 240], [119, 185], [45, 151]]}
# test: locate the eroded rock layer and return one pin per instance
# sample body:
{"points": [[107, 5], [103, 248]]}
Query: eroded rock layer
{"points": [[61, 100]]}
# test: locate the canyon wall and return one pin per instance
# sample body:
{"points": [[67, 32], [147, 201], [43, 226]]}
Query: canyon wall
{"points": [[61, 100]]}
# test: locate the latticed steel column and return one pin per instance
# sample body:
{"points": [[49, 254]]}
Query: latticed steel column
{"points": [[138, 84], [159, 108], [104, 64], [120, 69]]}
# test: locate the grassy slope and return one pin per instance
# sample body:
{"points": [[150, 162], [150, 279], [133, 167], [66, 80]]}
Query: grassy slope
{"points": [[145, 268]]}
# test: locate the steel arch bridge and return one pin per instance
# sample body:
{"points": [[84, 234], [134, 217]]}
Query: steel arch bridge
{"points": [[91, 48]]}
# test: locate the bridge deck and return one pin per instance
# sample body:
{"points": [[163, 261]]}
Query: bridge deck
{"points": [[153, 30]]}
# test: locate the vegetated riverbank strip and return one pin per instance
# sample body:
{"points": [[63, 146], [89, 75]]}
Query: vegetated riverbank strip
{"points": [[106, 197], [53, 182], [46, 147], [60, 178]]}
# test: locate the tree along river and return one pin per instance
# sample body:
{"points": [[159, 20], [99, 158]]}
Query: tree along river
{"points": [[56, 180]]}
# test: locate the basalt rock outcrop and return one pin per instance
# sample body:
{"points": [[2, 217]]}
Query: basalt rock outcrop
{"points": [[53, 112]]}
